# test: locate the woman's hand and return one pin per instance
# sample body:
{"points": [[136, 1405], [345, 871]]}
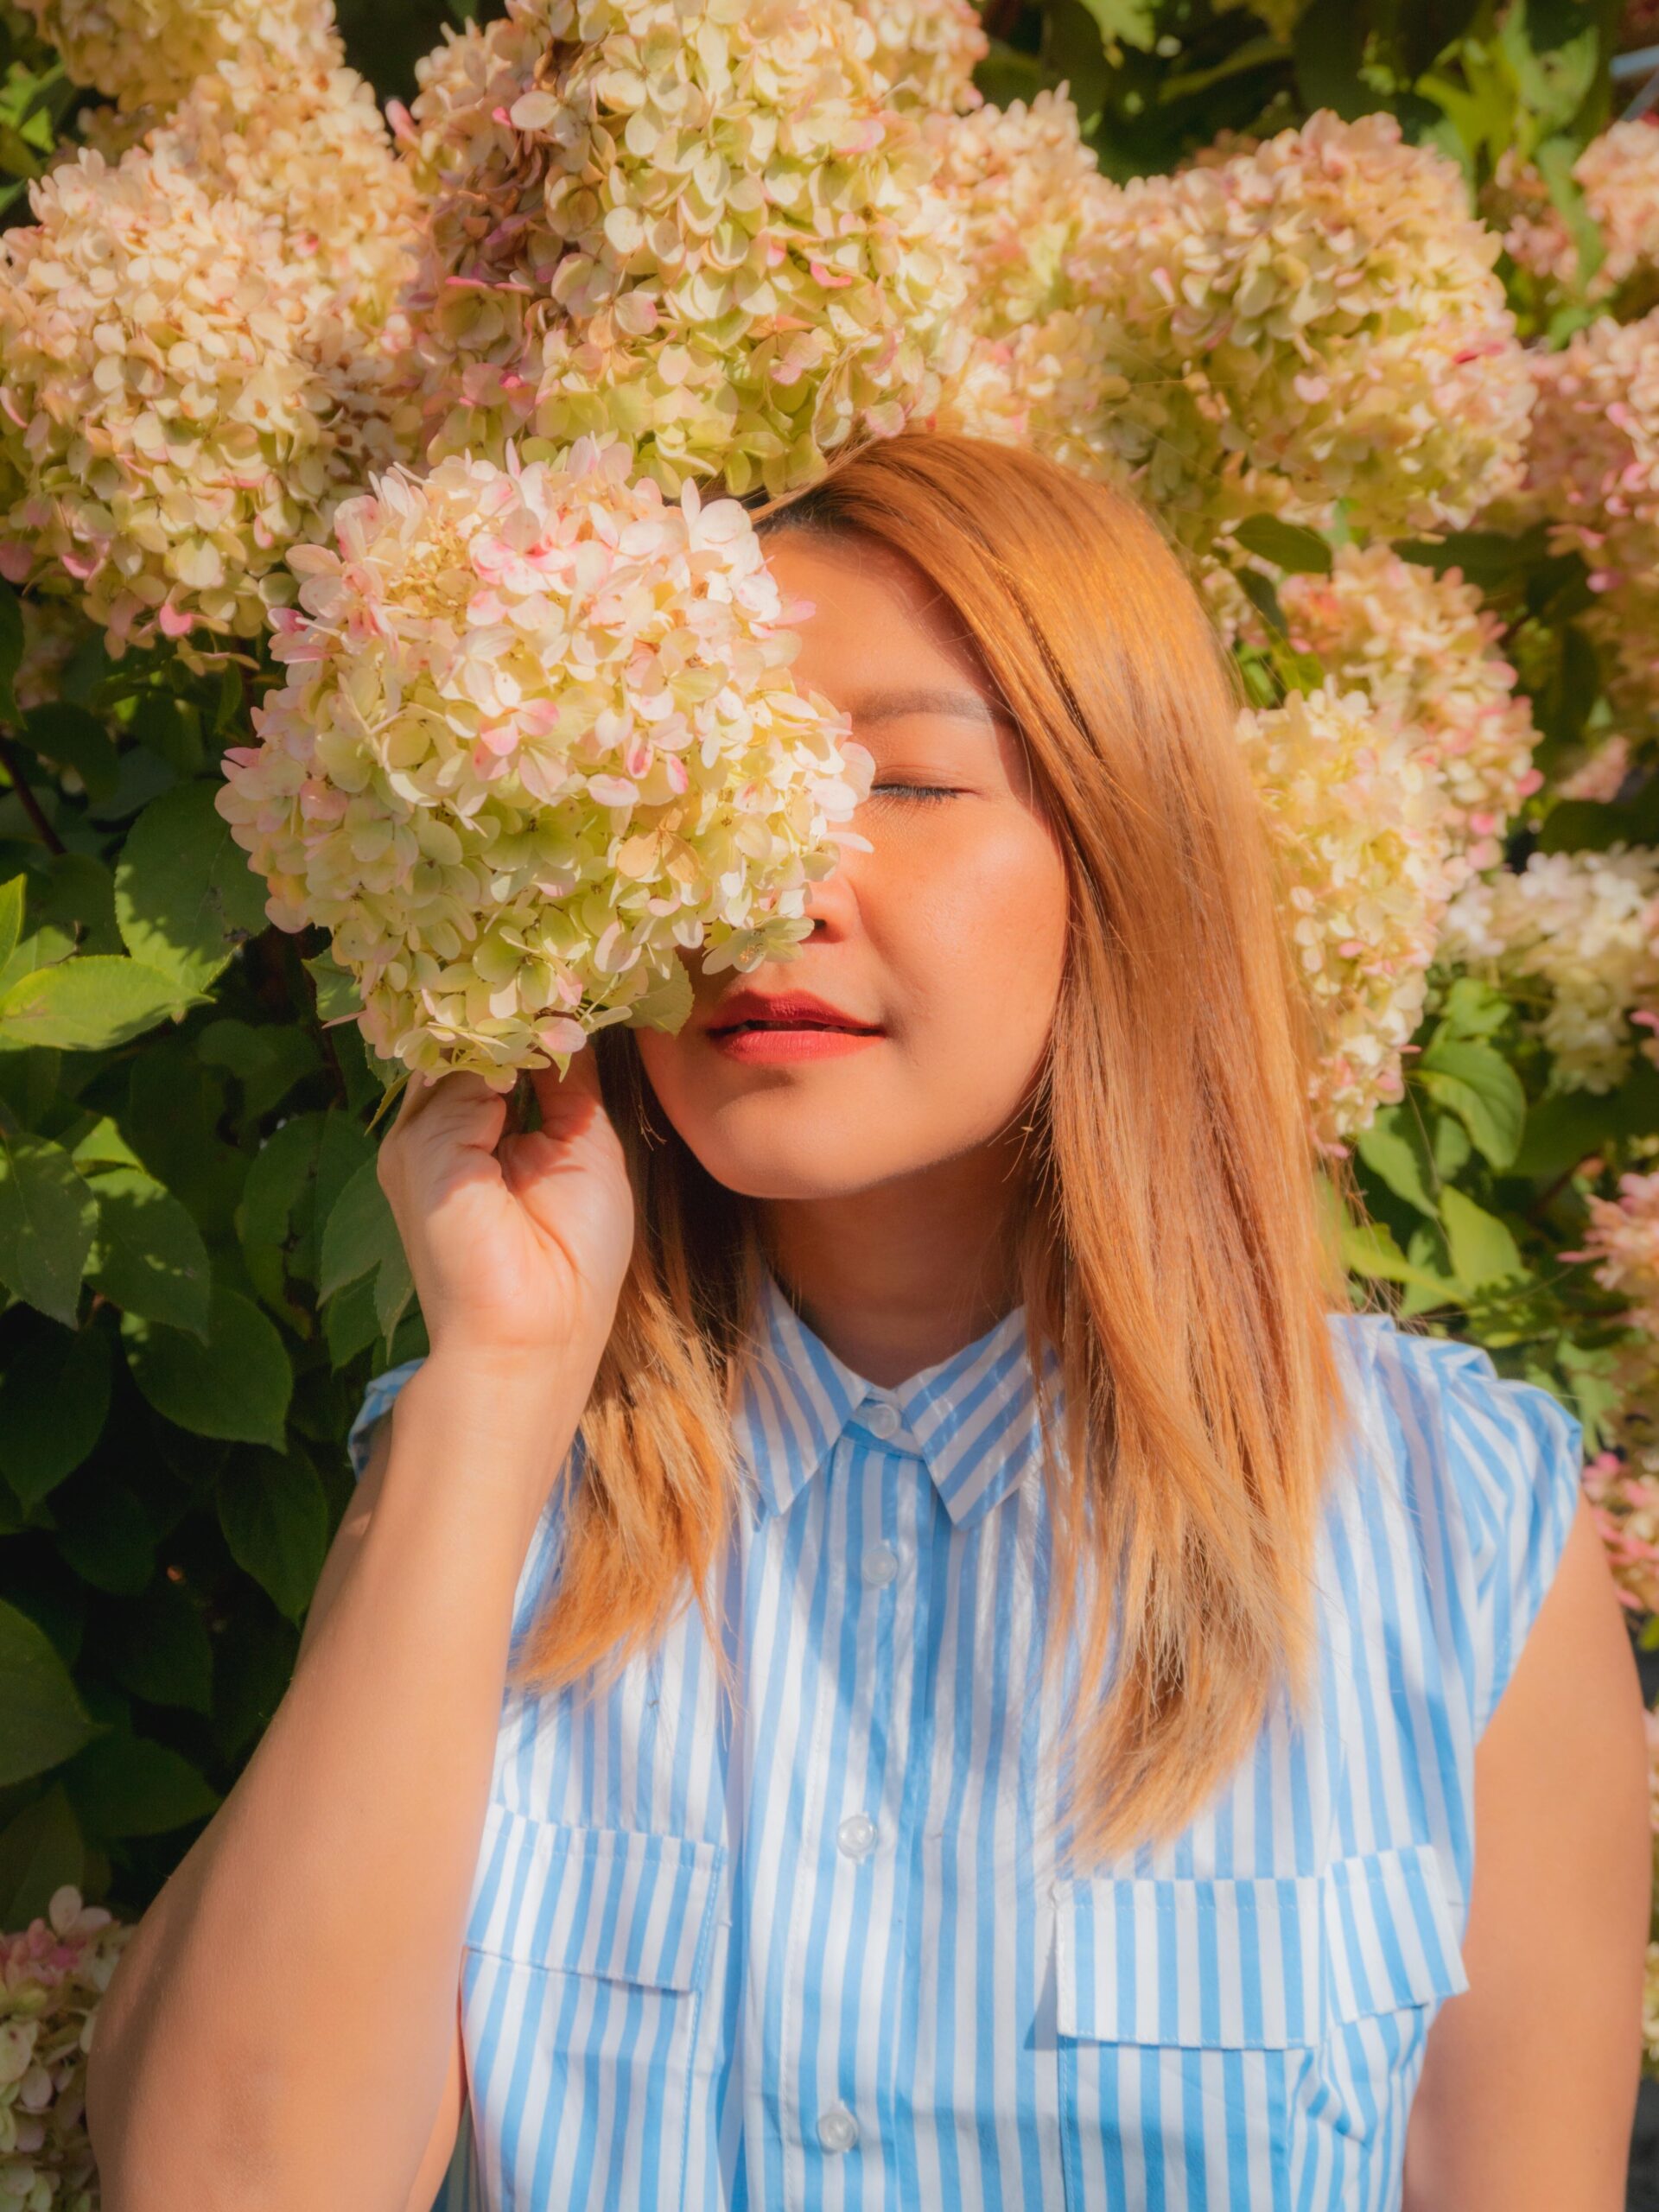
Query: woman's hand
{"points": [[518, 1244]]}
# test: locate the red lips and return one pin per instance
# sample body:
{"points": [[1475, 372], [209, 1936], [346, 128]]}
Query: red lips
{"points": [[763, 1027], [784, 1010]]}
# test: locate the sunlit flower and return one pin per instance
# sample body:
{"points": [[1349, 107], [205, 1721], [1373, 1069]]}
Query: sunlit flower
{"points": [[539, 739], [1573, 938], [1026, 191], [696, 225], [1323, 309], [1357, 826], [300, 143], [1594, 467], [1425, 651], [928, 50], [148, 53], [51, 1977], [1617, 174], [175, 409]]}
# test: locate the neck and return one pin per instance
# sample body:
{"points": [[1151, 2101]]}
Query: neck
{"points": [[897, 1278]]}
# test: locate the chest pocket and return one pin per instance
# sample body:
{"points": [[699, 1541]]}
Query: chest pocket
{"points": [[588, 1956], [1212, 2030]]}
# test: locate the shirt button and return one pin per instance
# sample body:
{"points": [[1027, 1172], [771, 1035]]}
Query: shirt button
{"points": [[880, 1564], [882, 1418], [837, 2129], [856, 1834]]}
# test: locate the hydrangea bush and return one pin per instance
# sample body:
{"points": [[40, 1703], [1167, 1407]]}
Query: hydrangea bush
{"points": [[374, 470]]}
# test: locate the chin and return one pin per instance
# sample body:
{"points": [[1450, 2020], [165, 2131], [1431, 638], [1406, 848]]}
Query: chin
{"points": [[780, 1152]]}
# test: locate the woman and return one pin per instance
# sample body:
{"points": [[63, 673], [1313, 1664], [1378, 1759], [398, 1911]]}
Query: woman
{"points": [[1017, 1696]]}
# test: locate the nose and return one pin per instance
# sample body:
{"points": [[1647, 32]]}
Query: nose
{"points": [[832, 902]]}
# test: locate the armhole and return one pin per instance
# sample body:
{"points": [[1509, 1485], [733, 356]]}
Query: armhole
{"points": [[377, 1400]]}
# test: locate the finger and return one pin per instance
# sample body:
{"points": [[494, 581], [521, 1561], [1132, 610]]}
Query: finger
{"points": [[458, 1109], [556, 1095]]}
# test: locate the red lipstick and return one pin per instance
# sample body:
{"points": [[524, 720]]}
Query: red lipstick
{"points": [[765, 1027]]}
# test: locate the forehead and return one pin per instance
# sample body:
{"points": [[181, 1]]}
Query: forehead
{"points": [[876, 619]]}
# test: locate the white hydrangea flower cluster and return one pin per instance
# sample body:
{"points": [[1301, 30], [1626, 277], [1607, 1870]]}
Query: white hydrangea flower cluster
{"points": [[1593, 468], [147, 53], [1618, 175], [175, 411], [1573, 938], [1594, 474], [1323, 309], [1426, 652], [1356, 822], [53, 1977], [699, 224], [928, 50], [301, 143], [539, 739], [1026, 190], [1600, 772]]}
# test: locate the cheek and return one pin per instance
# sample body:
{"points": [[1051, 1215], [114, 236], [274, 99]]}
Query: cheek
{"points": [[973, 933]]}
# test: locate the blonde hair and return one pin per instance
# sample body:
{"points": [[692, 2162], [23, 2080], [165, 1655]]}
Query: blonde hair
{"points": [[1174, 1250]]}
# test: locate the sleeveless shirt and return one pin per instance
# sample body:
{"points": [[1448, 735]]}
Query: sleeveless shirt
{"points": [[815, 1946]]}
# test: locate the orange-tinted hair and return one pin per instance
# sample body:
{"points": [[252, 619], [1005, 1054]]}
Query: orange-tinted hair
{"points": [[1173, 1248]]}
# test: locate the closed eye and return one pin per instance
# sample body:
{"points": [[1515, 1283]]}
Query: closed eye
{"points": [[914, 790]]}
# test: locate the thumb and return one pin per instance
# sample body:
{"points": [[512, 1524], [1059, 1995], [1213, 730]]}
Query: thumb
{"points": [[572, 1095]]}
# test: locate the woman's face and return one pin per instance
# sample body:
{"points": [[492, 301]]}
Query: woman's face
{"points": [[930, 976]]}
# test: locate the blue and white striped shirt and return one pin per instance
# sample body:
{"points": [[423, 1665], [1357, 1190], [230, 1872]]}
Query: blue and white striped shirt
{"points": [[821, 1951]]}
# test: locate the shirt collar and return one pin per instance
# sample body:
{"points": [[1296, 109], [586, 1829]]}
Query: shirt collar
{"points": [[973, 1418]]}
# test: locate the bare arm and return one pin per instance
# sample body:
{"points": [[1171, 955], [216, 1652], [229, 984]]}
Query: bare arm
{"points": [[1528, 2086], [293, 1988], [281, 2034]]}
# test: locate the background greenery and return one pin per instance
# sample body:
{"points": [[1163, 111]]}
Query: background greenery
{"points": [[198, 1271]]}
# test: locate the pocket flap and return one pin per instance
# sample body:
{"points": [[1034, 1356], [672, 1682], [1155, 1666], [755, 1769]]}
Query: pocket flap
{"points": [[626, 1904], [1240, 1963]]}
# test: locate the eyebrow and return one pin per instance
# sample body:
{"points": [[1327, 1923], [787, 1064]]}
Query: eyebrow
{"points": [[924, 699]]}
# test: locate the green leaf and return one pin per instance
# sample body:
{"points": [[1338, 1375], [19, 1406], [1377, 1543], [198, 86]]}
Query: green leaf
{"points": [[48, 1216], [275, 1515], [40, 1851], [1483, 1253], [103, 1146], [75, 740], [55, 1395], [185, 896], [88, 1004], [1128, 23], [159, 1649], [11, 916], [1566, 1127], [337, 996], [359, 1233], [1368, 1248], [267, 1060], [1394, 1150], [125, 1785], [1480, 1087], [42, 1722], [394, 1287], [105, 1536], [1289, 545], [235, 1384], [148, 1257], [1472, 1010], [1329, 45]]}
